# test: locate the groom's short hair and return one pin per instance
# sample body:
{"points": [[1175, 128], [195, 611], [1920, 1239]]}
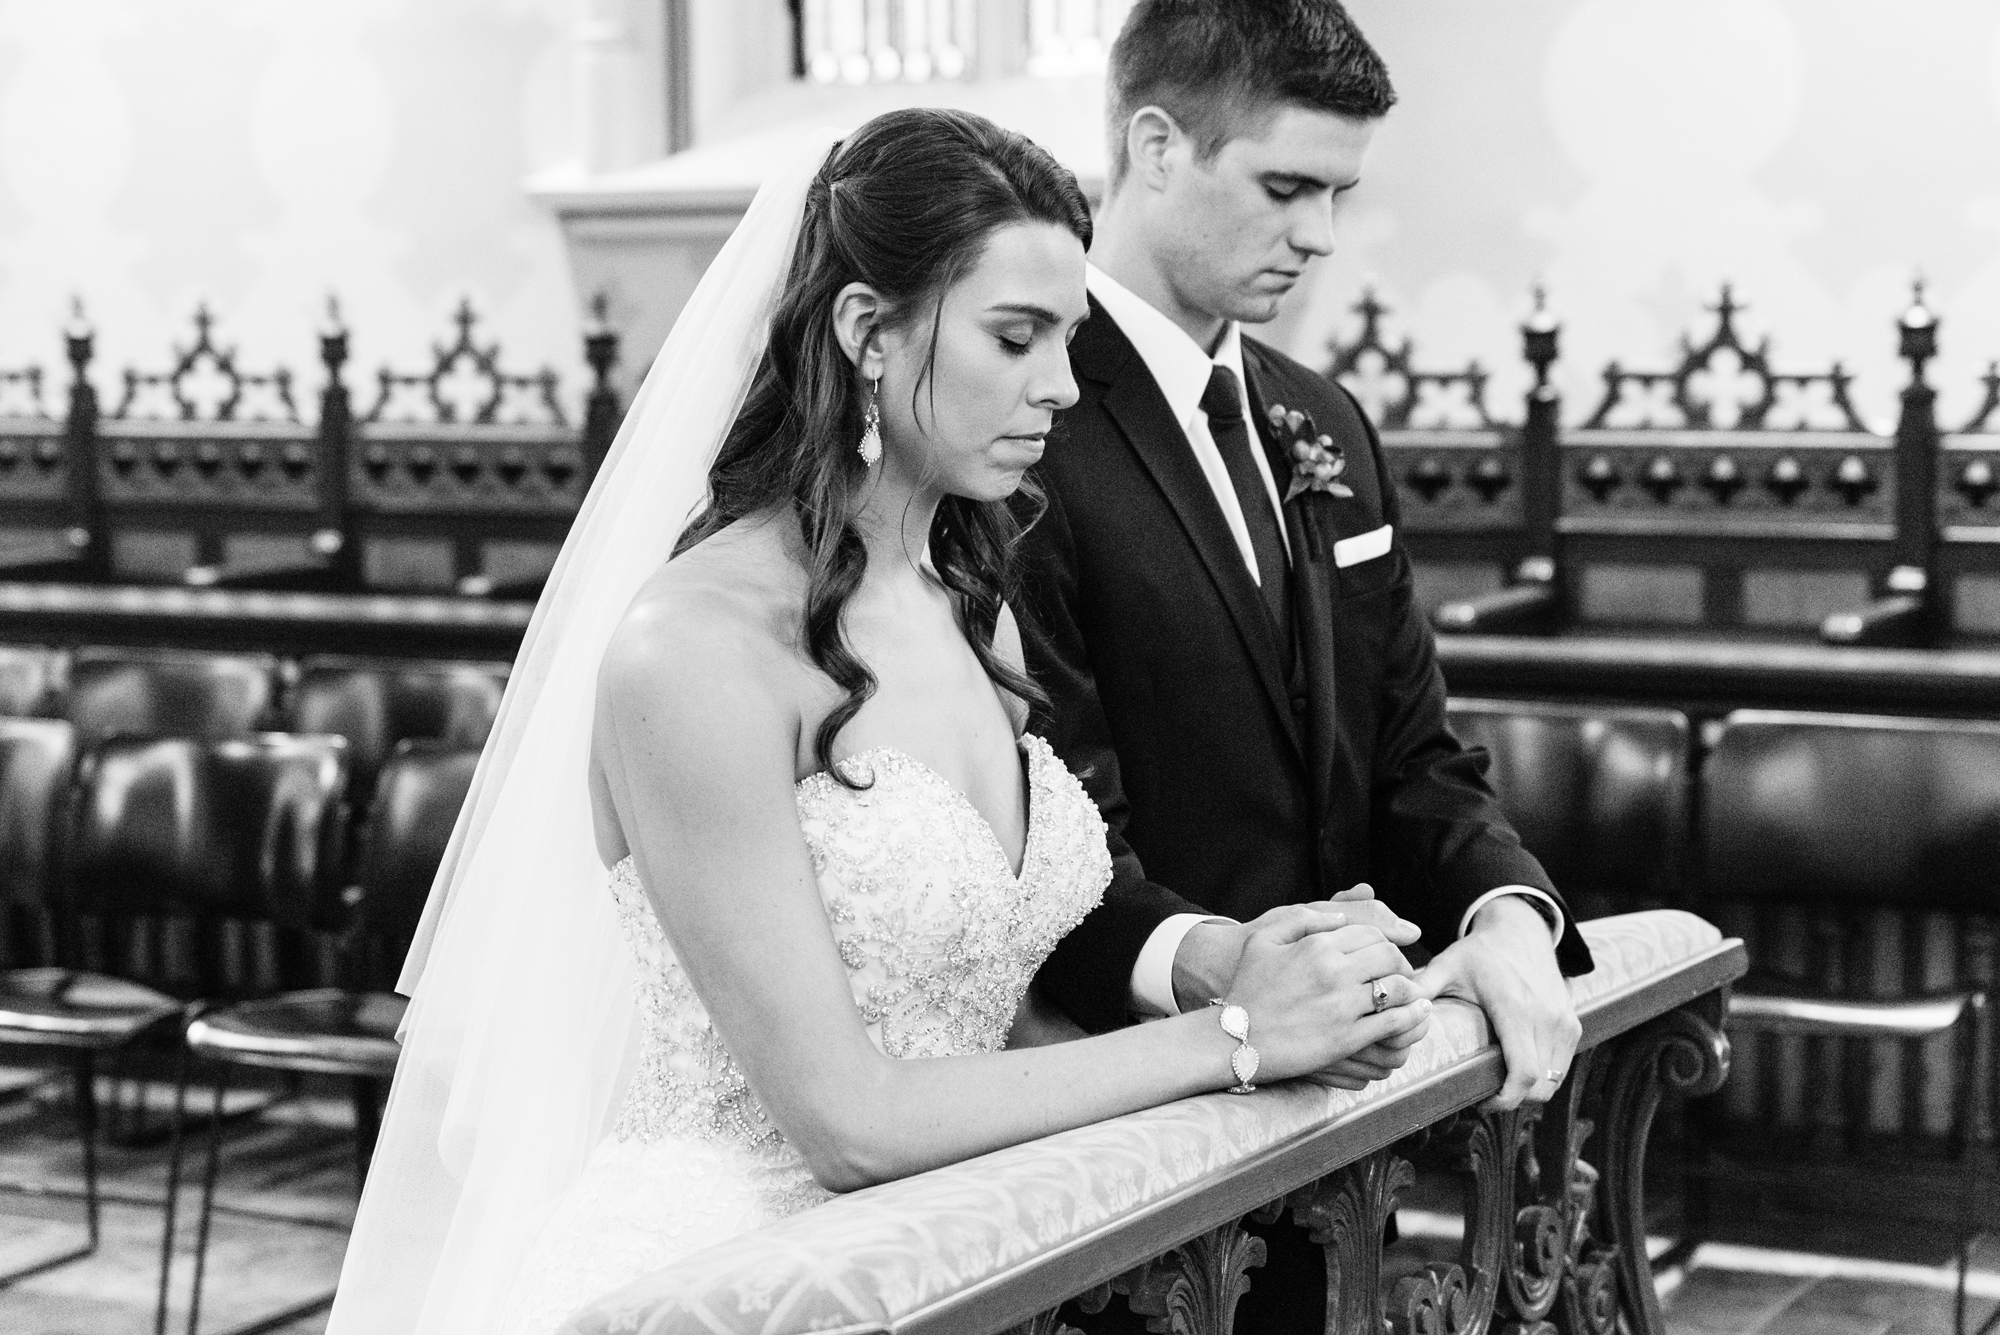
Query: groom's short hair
{"points": [[1212, 64]]}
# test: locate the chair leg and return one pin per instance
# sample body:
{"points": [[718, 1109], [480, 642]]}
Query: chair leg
{"points": [[86, 1121], [207, 1200], [173, 1188], [86, 1125]]}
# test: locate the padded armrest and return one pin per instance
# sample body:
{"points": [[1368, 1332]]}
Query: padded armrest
{"points": [[315, 573], [1521, 607], [315, 577], [933, 1250], [1818, 1017], [46, 556], [1895, 619]]}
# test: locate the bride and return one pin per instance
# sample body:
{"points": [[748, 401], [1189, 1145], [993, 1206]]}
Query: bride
{"points": [[792, 728]]}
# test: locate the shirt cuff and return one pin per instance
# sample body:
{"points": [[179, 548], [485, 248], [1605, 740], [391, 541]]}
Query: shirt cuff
{"points": [[1541, 899], [1153, 971]]}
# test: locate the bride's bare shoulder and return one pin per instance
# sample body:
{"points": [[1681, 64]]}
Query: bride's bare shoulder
{"points": [[724, 613]]}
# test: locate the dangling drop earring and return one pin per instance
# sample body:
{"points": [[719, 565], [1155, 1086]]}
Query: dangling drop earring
{"points": [[870, 448]]}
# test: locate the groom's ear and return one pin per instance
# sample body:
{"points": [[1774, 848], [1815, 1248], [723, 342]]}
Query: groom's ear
{"points": [[858, 310], [1151, 137]]}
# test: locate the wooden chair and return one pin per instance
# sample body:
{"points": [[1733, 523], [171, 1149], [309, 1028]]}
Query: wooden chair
{"points": [[170, 692], [30, 680], [61, 1012], [38, 1003], [1868, 825], [37, 765], [1598, 793], [347, 1032], [378, 703]]}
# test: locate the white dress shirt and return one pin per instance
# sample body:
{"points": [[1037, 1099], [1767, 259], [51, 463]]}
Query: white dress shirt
{"points": [[1181, 369]]}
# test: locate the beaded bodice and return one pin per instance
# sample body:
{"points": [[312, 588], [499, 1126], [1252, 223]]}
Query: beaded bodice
{"points": [[939, 935]]}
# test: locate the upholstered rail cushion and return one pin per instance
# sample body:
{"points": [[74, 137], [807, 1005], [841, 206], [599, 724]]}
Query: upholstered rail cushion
{"points": [[875, 1259]]}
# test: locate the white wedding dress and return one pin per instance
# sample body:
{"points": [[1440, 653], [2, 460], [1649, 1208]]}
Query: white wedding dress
{"points": [[940, 938]]}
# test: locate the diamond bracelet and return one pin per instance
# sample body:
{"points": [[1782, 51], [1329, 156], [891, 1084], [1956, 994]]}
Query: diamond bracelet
{"points": [[1242, 1062]]}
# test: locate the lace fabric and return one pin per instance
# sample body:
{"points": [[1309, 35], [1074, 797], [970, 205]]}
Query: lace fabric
{"points": [[940, 938]]}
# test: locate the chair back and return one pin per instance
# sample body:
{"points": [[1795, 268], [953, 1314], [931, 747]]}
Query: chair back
{"points": [[1598, 793], [248, 828], [417, 799], [37, 763], [1853, 811], [170, 693], [1841, 848], [31, 680], [376, 704]]}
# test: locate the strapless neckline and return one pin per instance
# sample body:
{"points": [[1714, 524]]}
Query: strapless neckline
{"points": [[1030, 748], [1035, 750]]}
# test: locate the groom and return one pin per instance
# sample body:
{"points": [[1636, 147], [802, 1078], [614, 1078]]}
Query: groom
{"points": [[1241, 674]]}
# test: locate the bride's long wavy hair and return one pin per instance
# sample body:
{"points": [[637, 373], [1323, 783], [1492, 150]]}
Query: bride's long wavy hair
{"points": [[905, 205]]}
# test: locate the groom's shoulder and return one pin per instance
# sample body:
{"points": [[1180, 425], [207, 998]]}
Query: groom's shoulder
{"points": [[1283, 379]]}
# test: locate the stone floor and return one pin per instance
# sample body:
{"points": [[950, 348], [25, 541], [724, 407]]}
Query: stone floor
{"points": [[287, 1197]]}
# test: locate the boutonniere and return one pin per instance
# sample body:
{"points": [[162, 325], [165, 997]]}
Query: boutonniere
{"points": [[1317, 462]]}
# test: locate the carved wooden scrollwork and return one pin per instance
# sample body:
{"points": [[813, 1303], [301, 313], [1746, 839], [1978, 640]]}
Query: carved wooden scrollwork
{"points": [[1434, 1301], [1194, 1289], [1686, 1051], [1346, 1213], [1045, 1324]]}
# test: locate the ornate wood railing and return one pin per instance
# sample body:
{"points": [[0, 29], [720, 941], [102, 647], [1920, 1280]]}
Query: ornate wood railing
{"points": [[457, 478], [1150, 1208], [1721, 491]]}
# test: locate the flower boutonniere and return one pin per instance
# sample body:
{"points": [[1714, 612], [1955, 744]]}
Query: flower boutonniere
{"points": [[1317, 462]]}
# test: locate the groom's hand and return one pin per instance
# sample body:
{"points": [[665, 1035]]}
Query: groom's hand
{"points": [[1506, 965], [1205, 964]]}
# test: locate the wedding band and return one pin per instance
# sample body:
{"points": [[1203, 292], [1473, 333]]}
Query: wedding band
{"points": [[1380, 991]]}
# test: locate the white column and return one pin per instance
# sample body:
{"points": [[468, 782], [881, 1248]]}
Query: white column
{"points": [[621, 84]]}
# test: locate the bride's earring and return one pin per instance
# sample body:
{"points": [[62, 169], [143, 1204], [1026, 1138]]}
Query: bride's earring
{"points": [[870, 448]]}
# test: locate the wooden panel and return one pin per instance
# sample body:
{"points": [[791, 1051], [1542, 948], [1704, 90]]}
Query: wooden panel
{"points": [[153, 555], [408, 563], [1975, 606], [1800, 597], [1451, 581], [1667, 595]]}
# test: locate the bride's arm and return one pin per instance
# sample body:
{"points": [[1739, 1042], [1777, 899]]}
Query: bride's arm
{"points": [[697, 738]]}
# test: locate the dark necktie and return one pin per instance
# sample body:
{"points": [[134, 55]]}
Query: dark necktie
{"points": [[1223, 402]]}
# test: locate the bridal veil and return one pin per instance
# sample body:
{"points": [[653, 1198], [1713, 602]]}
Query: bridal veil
{"points": [[519, 1038]]}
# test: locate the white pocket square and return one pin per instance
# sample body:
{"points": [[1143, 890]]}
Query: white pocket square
{"points": [[1363, 547]]}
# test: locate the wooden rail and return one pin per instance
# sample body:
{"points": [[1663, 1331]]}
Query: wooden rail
{"points": [[1151, 1206]]}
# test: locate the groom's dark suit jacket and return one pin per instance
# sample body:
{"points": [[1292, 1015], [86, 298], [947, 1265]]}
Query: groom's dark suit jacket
{"points": [[1232, 782]]}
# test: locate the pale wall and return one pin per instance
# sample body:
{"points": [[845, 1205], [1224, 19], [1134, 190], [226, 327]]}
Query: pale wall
{"points": [[1634, 153], [1631, 153], [260, 153]]}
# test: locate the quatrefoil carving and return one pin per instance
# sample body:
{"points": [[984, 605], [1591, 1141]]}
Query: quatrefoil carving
{"points": [[1726, 383]]}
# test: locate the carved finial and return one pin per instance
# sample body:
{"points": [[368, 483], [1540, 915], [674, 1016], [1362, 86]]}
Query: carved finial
{"points": [[202, 321], [1726, 306], [600, 315], [334, 326], [1541, 319], [1919, 333], [465, 318], [1540, 334], [79, 323], [1371, 311], [1918, 316]]}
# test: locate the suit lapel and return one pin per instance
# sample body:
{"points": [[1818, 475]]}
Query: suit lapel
{"points": [[1133, 401], [1312, 592]]}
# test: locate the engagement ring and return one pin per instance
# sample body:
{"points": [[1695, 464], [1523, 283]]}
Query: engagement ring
{"points": [[1380, 991]]}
